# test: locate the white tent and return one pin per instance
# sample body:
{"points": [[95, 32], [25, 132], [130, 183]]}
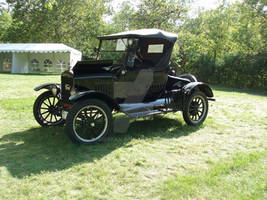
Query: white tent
{"points": [[37, 57]]}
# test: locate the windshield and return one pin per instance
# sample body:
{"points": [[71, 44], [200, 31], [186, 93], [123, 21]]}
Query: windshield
{"points": [[113, 50]]}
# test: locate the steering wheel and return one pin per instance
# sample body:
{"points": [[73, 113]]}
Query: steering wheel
{"points": [[112, 68], [115, 68]]}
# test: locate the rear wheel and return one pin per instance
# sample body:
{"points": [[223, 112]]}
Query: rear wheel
{"points": [[89, 121], [46, 110], [196, 108]]}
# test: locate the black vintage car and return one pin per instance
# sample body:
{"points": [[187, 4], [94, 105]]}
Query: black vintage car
{"points": [[129, 75]]}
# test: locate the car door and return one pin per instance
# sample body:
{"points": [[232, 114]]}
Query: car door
{"points": [[132, 85]]}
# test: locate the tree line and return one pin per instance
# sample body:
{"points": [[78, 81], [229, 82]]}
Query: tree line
{"points": [[224, 46]]}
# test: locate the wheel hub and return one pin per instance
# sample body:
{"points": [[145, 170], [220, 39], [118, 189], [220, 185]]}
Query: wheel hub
{"points": [[194, 108], [53, 110]]}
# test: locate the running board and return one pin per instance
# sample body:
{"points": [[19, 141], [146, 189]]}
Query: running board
{"points": [[144, 114], [137, 110], [142, 107]]}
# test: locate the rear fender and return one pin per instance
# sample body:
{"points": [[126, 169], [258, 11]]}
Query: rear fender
{"points": [[96, 95], [203, 87]]}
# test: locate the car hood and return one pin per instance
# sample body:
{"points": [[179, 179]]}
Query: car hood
{"points": [[88, 68]]}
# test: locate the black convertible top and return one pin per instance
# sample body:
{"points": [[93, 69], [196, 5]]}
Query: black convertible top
{"points": [[142, 33]]}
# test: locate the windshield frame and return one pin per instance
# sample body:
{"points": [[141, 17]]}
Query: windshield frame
{"points": [[100, 45]]}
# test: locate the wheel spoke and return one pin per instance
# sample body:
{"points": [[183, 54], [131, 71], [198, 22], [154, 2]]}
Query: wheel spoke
{"points": [[46, 104], [191, 109], [84, 113], [47, 116], [102, 122], [79, 122], [83, 130], [49, 101], [44, 112], [94, 133], [57, 104], [80, 115], [96, 113], [91, 112], [56, 118], [98, 116]]}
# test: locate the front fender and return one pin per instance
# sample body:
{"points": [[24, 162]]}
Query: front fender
{"points": [[97, 95], [79, 95], [204, 87], [48, 86]]}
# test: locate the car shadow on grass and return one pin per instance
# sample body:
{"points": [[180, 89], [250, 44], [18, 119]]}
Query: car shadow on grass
{"points": [[40, 150]]}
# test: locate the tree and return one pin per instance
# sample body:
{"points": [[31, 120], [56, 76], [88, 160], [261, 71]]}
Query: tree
{"points": [[162, 14], [123, 19], [75, 23], [227, 45], [5, 23]]}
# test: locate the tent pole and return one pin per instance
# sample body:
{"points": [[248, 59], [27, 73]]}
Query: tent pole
{"points": [[28, 61], [53, 53]]}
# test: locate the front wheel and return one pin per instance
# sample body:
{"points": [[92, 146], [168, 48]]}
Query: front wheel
{"points": [[195, 108], [89, 121], [46, 110]]}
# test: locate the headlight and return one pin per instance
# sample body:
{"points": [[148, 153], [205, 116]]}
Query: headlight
{"points": [[54, 90], [67, 87]]}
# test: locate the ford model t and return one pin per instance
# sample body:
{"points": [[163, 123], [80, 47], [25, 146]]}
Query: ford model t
{"points": [[129, 75]]}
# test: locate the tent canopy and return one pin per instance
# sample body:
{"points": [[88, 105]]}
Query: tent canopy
{"points": [[37, 57], [37, 48]]}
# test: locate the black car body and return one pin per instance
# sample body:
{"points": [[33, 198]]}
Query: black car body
{"points": [[129, 75]]}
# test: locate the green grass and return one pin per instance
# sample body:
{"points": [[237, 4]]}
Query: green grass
{"points": [[225, 158], [241, 177]]}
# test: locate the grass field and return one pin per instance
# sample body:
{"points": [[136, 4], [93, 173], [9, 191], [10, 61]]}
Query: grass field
{"points": [[225, 158]]}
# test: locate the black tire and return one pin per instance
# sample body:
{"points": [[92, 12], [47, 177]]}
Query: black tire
{"points": [[196, 108], [89, 121], [47, 111], [190, 77]]}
